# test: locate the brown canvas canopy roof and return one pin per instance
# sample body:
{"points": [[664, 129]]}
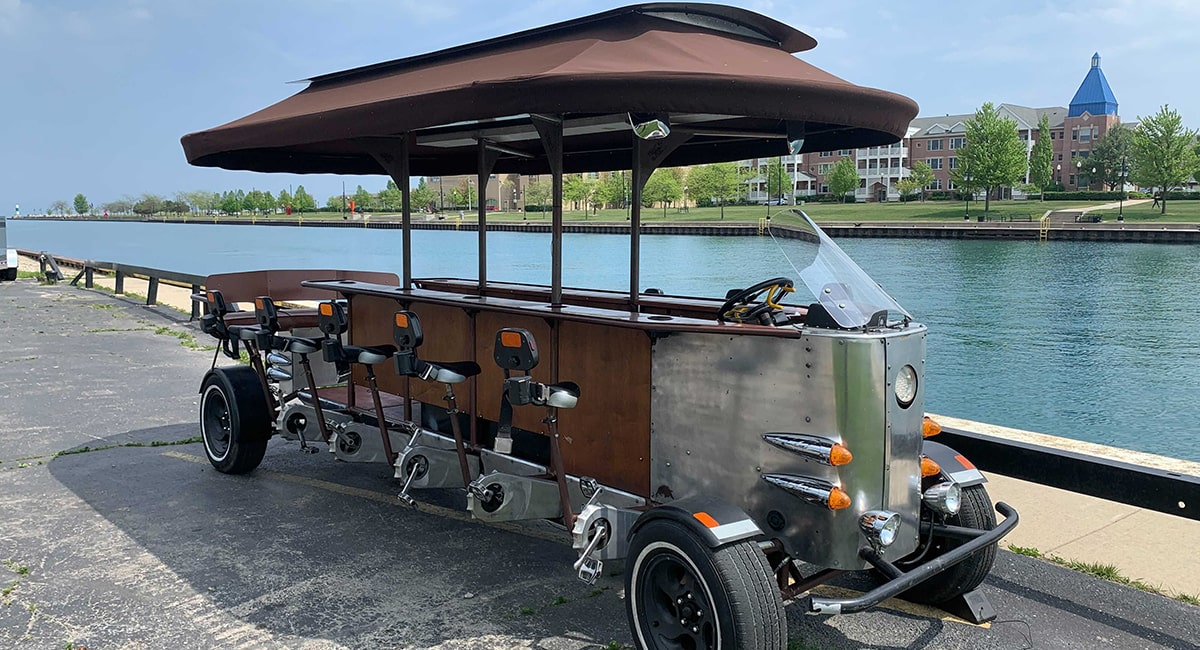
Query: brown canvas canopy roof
{"points": [[726, 75]]}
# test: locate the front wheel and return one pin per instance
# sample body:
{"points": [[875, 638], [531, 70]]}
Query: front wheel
{"points": [[975, 511], [683, 595], [235, 419], [9, 274]]}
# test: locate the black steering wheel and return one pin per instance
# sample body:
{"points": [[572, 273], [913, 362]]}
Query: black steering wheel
{"points": [[740, 307]]}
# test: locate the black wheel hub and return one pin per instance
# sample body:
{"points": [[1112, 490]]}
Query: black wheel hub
{"points": [[675, 603], [217, 425]]}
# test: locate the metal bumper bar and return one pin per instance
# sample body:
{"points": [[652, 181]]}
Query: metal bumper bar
{"points": [[904, 581]]}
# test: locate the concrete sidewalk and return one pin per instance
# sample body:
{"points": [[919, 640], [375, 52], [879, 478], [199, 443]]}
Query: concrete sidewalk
{"points": [[1153, 547]]}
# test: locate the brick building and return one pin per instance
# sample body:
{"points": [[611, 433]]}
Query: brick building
{"points": [[1073, 129]]}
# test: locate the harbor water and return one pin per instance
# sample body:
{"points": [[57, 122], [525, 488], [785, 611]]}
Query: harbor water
{"points": [[1085, 340]]}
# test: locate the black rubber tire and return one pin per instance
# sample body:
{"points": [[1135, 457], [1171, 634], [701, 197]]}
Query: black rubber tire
{"points": [[975, 511], [734, 581], [9, 275], [235, 419]]}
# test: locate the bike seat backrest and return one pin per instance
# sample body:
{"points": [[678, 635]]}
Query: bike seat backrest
{"points": [[516, 349], [266, 314], [216, 303], [331, 318], [406, 331]]}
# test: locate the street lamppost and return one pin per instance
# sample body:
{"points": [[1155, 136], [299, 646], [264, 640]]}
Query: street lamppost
{"points": [[967, 178], [685, 208], [1121, 197]]}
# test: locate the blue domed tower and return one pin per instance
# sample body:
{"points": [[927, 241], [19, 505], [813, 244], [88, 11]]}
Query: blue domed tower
{"points": [[1094, 96], [1091, 114]]}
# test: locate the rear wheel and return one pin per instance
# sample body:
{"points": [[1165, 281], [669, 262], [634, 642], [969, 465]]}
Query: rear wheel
{"points": [[975, 511], [235, 419], [683, 595]]}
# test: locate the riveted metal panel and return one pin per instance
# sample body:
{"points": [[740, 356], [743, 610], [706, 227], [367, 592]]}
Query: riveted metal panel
{"points": [[714, 396]]}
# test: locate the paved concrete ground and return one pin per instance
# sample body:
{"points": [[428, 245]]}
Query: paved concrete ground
{"points": [[148, 547]]}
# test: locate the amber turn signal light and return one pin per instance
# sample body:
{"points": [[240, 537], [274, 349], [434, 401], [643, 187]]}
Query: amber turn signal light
{"points": [[929, 428], [929, 467], [401, 319], [325, 309], [839, 455], [838, 499]]}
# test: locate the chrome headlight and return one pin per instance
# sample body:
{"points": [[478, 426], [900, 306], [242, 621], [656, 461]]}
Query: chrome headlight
{"points": [[944, 497], [906, 386], [880, 527]]}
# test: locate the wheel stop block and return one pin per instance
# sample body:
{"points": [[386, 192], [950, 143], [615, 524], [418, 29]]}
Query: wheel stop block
{"points": [[972, 606]]}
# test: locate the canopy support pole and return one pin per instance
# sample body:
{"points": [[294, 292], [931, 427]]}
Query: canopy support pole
{"points": [[550, 129], [395, 161], [487, 161], [647, 156]]}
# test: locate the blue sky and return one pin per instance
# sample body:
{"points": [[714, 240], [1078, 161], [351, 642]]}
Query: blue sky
{"points": [[98, 92]]}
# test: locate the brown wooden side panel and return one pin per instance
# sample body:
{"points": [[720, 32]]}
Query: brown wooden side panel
{"points": [[371, 324], [491, 380], [607, 436], [447, 338]]}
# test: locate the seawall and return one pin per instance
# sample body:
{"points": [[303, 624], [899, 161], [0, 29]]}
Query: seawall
{"points": [[1167, 233]]}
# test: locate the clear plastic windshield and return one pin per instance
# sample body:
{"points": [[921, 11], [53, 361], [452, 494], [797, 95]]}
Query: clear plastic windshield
{"points": [[850, 296]]}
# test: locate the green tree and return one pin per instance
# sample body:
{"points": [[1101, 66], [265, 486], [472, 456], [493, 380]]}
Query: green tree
{"points": [[718, 182], [607, 191], [662, 187], [81, 204], [921, 174], [907, 187], [120, 206], [575, 190], [423, 197], [148, 204], [230, 203], [994, 151], [777, 180], [842, 178], [334, 204], [1163, 152], [362, 199], [537, 192], [1111, 154], [1041, 158], [251, 200], [303, 201], [284, 200], [391, 198], [457, 196]]}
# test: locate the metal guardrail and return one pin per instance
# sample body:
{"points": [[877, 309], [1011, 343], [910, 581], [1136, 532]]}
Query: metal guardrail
{"points": [[87, 269], [1135, 485]]}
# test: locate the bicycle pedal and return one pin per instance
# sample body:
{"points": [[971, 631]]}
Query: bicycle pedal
{"points": [[590, 569]]}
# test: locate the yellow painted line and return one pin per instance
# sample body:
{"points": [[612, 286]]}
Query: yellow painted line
{"points": [[830, 591], [385, 498]]}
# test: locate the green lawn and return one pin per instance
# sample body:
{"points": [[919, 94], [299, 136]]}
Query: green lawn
{"points": [[948, 211], [857, 212], [1177, 212]]}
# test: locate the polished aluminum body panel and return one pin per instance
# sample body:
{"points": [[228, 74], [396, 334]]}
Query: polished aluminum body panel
{"points": [[714, 396]]}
